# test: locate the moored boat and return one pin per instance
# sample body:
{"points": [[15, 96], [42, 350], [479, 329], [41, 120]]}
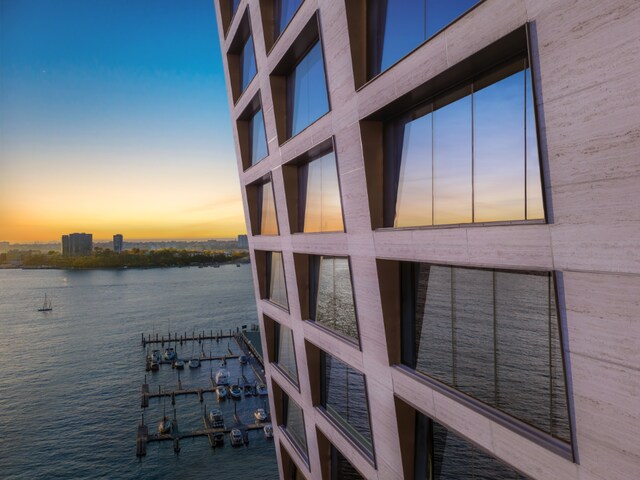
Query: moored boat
{"points": [[268, 430], [235, 391], [260, 415], [216, 419], [169, 354], [179, 364], [236, 437], [261, 389], [46, 305], [222, 377], [165, 425], [221, 392], [194, 363]]}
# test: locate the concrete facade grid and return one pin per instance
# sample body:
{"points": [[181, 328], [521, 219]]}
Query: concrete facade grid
{"points": [[586, 56]]}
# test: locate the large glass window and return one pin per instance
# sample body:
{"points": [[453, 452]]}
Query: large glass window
{"points": [[284, 11], [492, 334], [247, 64], [332, 302], [258, 138], [470, 156], [233, 4], [276, 286], [307, 98], [396, 27], [268, 219], [285, 356], [440, 454], [293, 424], [341, 468], [320, 195], [344, 397]]}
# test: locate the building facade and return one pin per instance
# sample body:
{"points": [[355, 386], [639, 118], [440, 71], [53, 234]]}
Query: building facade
{"points": [[243, 241], [118, 243], [76, 244], [442, 213]]}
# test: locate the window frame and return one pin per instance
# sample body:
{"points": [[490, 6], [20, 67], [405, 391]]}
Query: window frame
{"points": [[276, 354], [268, 267]]}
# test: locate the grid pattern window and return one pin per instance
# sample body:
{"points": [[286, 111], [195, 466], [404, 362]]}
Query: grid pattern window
{"points": [[331, 292], [285, 352], [397, 27], [440, 454], [276, 284], [307, 98], [319, 193], [341, 469], [293, 424], [492, 334], [344, 398], [284, 12], [267, 206], [258, 138], [470, 156], [248, 67]]}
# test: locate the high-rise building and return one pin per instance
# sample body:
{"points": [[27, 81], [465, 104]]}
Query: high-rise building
{"points": [[118, 243], [243, 241], [442, 201], [77, 244]]}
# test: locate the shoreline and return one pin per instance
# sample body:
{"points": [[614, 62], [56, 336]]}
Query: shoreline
{"points": [[133, 267]]}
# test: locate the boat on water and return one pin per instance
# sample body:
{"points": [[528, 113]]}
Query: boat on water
{"points": [[169, 354], [221, 392], [235, 391], [248, 390], [155, 356], [165, 425], [194, 363], [268, 430], [261, 389], [222, 377], [238, 265], [179, 364], [216, 418], [260, 415], [236, 437], [46, 305], [154, 367], [218, 439], [243, 359]]}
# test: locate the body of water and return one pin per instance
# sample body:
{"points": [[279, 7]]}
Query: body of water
{"points": [[70, 379]]}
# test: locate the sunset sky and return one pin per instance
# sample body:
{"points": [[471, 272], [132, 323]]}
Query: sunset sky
{"points": [[114, 119]]}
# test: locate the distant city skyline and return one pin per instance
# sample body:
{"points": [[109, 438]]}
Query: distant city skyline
{"points": [[114, 120]]}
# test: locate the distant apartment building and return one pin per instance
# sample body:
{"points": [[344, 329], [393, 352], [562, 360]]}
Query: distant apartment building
{"points": [[77, 244], [443, 203], [118, 243], [243, 241]]}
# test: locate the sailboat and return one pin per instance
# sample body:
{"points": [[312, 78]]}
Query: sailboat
{"points": [[46, 305]]}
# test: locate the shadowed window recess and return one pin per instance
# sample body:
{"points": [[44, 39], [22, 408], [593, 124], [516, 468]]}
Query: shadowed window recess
{"points": [[341, 469], [440, 454], [307, 98], [491, 334], [293, 424], [267, 207], [469, 156], [319, 193], [258, 136], [332, 303], [396, 27], [233, 6], [276, 284], [284, 12], [344, 398], [285, 353]]}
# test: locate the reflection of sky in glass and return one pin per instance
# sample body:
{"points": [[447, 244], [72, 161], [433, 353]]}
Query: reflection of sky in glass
{"points": [[498, 123], [234, 6], [441, 13], [278, 287], [535, 206], [286, 9], [259, 148], [268, 220], [295, 424], [452, 162], [323, 208], [286, 357], [413, 206], [247, 63], [334, 302], [310, 100]]}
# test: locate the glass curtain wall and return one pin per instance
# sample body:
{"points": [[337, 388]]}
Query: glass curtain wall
{"points": [[293, 424], [396, 27], [344, 397], [492, 334], [268, 219], [285, 356], [470, 156], [258, 138], [276, 287], [284, 11], [332, 295], [440, 454], [248, 67], [307, 98], [321, 206]]}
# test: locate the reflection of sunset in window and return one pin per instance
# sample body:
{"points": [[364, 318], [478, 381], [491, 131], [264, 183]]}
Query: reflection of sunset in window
{"points": [[323, 208], [268, 220]]}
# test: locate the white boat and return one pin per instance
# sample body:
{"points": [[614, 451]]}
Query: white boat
{"points": [[235, 391], [165, 425], [221, 392], [260, 415], [268, 430], [216, 418], [46, 305], [194, 363], [236, 437], [261, 389], [222, 377], [155, 356], [179, 364], [169, 354]]}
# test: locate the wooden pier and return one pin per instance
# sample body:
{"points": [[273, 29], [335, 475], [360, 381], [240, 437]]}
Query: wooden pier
{"points": [[183, 338]]}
